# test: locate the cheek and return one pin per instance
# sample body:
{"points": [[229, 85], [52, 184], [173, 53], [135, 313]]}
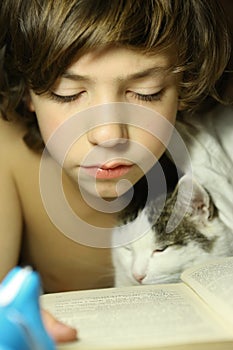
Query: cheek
{"points": [[155, 145], [156, 129], [47, 125], [161, 134], [49, 116], [125, 258], [152, 144], [169, 106]]}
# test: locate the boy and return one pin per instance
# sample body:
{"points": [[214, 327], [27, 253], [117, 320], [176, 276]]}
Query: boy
{"points": [[60, 58]]}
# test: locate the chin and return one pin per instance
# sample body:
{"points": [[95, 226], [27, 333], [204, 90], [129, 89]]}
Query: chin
{"points": [[108, 190], [101, 192]]}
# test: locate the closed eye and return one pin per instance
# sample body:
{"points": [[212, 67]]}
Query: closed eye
{"points": [[160, 250], [148, 97], [64, 98], [142, 97]]}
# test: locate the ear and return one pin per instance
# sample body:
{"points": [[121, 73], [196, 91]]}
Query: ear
{"points": [[31, 106], [193, 200], [181, 106], [195, 197], [28, 101]]}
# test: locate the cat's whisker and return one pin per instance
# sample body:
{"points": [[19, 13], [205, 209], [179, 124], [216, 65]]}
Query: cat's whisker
{"points": [[163, 254]]}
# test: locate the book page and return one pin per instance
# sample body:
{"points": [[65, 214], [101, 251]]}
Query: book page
{"points": [[143, 317], [213, 281]]}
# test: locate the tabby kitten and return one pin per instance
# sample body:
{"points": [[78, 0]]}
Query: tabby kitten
{"points": [[159, 255]]}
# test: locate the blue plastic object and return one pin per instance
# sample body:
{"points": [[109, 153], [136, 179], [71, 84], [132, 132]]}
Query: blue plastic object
{"points": [[21, 326]]}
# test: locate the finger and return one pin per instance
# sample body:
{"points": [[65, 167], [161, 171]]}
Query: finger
{"points": [[57, 330]]}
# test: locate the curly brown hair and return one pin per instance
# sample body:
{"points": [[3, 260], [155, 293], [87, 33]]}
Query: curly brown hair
{"points": [[39, 39]]}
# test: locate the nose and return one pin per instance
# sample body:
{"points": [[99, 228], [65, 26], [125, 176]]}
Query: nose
{"points": [[108, 135], [139, 277]]}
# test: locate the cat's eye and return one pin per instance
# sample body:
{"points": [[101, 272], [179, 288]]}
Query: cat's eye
{"points": [[160, 250]]}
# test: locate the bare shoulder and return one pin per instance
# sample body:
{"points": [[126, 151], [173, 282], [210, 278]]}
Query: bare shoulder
{"points": [[21, 164], [11, 135], [14, 152], [12, 159]]}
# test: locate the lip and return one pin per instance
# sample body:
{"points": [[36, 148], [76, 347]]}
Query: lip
{"points": [[108, 170]]}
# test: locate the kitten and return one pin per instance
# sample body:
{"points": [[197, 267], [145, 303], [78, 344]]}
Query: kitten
{"points": [[159, 256]]}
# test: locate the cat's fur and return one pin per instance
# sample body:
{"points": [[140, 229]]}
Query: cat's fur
{"points": [[158, 256]]}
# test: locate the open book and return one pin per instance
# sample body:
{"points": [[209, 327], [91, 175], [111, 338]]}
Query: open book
{"points": [[194, 314]]}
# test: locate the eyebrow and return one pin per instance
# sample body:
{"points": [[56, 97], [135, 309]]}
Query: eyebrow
{"points": [[149, 72]]}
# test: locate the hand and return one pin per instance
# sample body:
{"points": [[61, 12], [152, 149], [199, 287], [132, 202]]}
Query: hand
{"points": [[60, 332]]}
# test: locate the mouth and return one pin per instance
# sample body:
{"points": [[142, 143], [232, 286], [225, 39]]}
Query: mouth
{"points": [[107, 171]]}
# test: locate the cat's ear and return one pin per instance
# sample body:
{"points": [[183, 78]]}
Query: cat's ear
{"points": [[193, 195], [193, 200]]}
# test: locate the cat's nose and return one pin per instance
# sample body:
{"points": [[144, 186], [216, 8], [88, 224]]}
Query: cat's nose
{"points": [[139, 277]]}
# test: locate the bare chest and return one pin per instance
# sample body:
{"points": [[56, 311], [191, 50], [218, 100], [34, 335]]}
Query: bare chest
{"points": [[64, 263]]}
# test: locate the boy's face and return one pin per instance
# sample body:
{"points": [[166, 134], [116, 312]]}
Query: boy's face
{"points": [[107, 150]]}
